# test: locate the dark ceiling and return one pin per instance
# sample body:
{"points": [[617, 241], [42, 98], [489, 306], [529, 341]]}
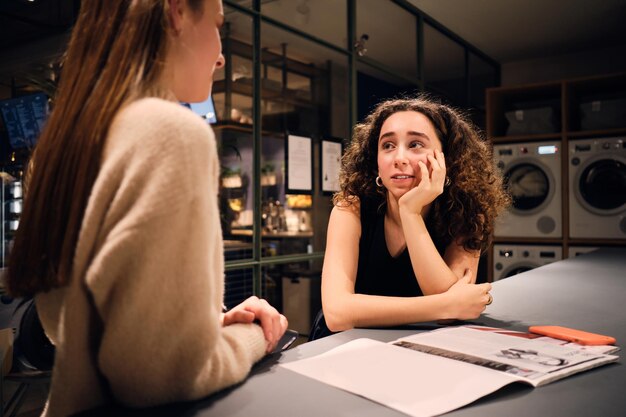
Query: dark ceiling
{"points": [[23, 21]]}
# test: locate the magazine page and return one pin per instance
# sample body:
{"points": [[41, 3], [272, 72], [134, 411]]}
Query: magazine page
{"points": [[412, 382], [529, 358], [603, 349]]}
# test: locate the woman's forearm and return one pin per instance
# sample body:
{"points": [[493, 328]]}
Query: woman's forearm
{"points": [[361, 310], [433, 274]]}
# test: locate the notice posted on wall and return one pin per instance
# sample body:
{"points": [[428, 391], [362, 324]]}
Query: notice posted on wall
{"points": [[331, 164], [299, 164]]}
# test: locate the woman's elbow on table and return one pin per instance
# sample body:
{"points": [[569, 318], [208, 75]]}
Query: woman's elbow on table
{"points": [[336, 319]]}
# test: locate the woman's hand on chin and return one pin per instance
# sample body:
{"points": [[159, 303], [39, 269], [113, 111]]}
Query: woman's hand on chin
{"points": [[430, 185]]}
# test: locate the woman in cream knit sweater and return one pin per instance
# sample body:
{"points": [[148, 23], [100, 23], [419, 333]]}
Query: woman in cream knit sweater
{"points": [[120, 239]]}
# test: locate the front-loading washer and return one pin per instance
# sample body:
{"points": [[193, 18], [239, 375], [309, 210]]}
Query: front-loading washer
{"points": [[597, 188], [509, 260], [532, 173], [574, 251]]}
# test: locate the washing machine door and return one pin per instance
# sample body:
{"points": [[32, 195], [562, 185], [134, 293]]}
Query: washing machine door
{"points": [[517, 268], [602, 186], [530, 185]]}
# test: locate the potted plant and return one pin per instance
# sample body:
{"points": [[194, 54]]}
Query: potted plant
{"points": [[268, 174], [231, 177]]}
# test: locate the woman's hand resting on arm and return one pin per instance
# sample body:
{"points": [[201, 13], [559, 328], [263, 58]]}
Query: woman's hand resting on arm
{"points": [[271, 321], [467, 300]]}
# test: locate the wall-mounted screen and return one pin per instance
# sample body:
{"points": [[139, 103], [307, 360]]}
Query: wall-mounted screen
{"points": [[24, 118], [205, 109]]}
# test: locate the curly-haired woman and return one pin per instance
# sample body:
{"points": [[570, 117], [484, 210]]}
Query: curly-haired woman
{"points": [[419, 195]]}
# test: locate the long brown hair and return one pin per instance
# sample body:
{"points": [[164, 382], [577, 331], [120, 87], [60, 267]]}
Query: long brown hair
{"points": [[115, 55], [468, 206]]}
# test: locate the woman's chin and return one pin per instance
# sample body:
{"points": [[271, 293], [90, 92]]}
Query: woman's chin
{"points": [[397, 193]]}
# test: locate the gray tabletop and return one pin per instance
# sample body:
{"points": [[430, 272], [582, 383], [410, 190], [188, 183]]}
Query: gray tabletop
{"points": [[587, 292]]}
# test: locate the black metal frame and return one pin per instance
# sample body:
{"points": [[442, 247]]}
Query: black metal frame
{"points": [[258, 261]]}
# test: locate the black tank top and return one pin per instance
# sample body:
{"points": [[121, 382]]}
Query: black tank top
{"points": [[378, 272]]}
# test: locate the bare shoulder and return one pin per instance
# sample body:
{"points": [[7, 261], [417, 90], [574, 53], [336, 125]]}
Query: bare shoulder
{"points": [[345, 220], [349, 206]]}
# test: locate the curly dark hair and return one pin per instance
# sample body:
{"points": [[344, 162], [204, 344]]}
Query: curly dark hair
{"points": [[467, 208]]}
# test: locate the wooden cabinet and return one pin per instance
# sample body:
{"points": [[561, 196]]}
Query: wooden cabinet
{"points": [[581, 123]]}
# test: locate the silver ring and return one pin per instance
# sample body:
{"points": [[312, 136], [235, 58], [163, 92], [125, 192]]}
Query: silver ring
{"points": [[490, 300]]}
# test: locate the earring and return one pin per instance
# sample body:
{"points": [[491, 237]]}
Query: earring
{"points": [[379, 182], [447, 182]]}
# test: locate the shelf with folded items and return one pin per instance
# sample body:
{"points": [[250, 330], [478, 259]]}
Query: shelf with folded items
{"points": [[596, 106], [524, 113]]}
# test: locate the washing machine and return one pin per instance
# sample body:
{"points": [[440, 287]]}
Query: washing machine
{"points": [[509, 260], [575, 251], [597, 188], [532, 173]]}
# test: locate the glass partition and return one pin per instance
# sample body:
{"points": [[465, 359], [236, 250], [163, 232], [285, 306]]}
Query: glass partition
{"points": [[323, 19], [232, 95], [302, 115], [304, 99], [375, 85], [482, 75], [237, 282], [444, 66], [387, 34], [295, 290]]}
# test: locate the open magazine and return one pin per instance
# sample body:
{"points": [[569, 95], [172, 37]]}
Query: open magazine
{"points": [[431, 373], [534, 360]]}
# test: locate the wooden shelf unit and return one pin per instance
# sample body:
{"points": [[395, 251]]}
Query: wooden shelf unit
{"points": [[565, 98], [278, 90]]}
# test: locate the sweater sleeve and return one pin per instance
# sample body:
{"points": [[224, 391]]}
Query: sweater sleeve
{"points": [[156, 273]]}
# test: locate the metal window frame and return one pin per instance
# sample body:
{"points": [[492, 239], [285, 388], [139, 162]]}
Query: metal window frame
{"points": [[257, 262]]}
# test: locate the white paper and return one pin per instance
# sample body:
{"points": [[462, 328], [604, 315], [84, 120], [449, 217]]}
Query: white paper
{"points": [[411, 382], [331, 164], [299, 174]]}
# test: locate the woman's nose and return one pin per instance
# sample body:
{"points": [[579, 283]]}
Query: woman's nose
{"points": [[399, 162], [400, 159]]}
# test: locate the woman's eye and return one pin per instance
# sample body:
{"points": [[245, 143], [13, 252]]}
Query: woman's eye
{"points": [[416, 145], [387, 145]]}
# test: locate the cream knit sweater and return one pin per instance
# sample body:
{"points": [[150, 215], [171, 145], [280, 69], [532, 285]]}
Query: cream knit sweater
{"points": [[150, 259]]}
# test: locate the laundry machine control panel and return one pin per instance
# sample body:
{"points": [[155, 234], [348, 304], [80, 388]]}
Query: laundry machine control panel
{"points": [[509, 259]]}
